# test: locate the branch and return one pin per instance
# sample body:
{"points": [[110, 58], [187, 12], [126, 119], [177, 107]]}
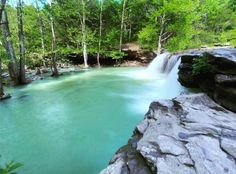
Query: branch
{"points": [[81, 21], [167, 37], [164, 34]]}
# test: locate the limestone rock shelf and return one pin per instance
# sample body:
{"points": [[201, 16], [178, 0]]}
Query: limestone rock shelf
{"points": [[190, 134]]}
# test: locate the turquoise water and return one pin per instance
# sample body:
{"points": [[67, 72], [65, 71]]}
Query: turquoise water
{"points": [[74, 124]]}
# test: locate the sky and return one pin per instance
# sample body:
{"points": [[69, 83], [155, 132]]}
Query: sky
{"points": [[14, 2]]}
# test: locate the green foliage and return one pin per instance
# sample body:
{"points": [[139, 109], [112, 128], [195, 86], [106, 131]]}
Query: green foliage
{"points": [[148, 37], [174, 19], [201, 65], [115, 54], [190, 24], [229, 37], [10, 168]]}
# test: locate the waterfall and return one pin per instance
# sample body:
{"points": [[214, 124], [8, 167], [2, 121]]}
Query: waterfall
{"points": [[162, 64], [172, 61]]}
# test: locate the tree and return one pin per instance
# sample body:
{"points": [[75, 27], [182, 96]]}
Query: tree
{"points": [[12, 65], [42, 32], [22, 78], [100, 32], [162, 33], [122, 23], [1, 83], [99, 28], [171, 22], [84, 39], [3, 3], [54, 43]]}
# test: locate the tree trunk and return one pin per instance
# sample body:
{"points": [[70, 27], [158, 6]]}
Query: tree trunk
{"points": [[122, 24], [130, 25], [3, 3], [130, 32], [100, 34], [42, 33], [83, 23], [12, 65], [162, 23], [54, 45], [22, 79], [1, 84]]}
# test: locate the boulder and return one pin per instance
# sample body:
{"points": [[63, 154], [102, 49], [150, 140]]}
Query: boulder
{"points": [[219, 84], [190, 134]]}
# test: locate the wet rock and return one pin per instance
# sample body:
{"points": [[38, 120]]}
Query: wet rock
{"points": [[190, 134], [5, 96], [128, 160], [36, 77], [45, 70], [188, 79], [225, 79], [115, 168], [38, 72], [225, 96]]}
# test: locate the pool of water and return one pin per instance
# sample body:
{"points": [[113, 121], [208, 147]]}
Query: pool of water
{"points": [[75, 123]]}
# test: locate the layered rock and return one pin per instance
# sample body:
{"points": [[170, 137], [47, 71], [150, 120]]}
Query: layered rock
{"points": [[190, 134], [219, 84]]}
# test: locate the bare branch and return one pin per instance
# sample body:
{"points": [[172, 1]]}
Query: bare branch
{"points": [[167, 37]]}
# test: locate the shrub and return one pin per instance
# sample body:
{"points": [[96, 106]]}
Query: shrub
{"points": [[201, 65], [10, 168]]}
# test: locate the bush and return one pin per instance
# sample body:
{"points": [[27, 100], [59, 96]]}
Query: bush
{"points": [[201, 65], [115, 54]]}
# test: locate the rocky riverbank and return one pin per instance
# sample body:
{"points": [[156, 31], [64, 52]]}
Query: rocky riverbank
{"points": [[190, 134], [134, 57]]}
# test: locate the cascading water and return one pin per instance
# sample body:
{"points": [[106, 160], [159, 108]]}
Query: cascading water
{"points": [[171, 63], [156, 66], [162, 64]]}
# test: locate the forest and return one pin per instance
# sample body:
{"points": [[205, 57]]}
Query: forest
{"points": [[42, 33], [36, 33]]}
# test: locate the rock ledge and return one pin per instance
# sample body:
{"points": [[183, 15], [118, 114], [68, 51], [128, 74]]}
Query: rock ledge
{"points": [[190, 134]]}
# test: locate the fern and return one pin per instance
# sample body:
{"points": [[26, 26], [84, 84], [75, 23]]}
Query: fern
{"points": [[201, 65], [10, 168]]}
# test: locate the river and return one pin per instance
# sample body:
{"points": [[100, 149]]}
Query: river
{"points": [[75, 123]]}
